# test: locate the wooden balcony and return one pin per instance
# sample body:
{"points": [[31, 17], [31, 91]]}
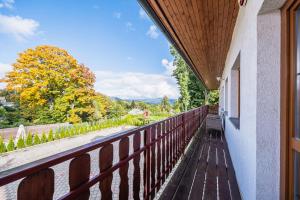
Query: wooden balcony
{"points": [[135, 164], [206, 171]]}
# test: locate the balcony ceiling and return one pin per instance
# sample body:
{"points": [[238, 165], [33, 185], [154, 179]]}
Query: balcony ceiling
{"points": [[200, 29]]}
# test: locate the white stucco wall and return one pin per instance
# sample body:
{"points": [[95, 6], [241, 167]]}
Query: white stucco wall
{"points": [[268, 106], [254, 148]]}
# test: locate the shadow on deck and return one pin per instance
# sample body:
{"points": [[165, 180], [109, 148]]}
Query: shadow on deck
{"points": [[206, 170]]}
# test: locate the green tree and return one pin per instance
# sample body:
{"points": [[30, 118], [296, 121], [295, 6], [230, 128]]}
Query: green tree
{"points": [[213, 97], [132, 104], [117, 110], [11, 144], [36, 139], [57, 135], [165, 104], [182, 76], [2, 145], [28, 139], [101, 103], [44, 138], [176, 106], [20, 143], [50, 136], [192, 90], [142, 105]]}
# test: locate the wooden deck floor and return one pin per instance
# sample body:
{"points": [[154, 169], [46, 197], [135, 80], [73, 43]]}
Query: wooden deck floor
{"points": [[206, 172]]}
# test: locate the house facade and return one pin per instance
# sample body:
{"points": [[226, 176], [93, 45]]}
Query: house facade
{"points": [[250, 52], [254, 62]]}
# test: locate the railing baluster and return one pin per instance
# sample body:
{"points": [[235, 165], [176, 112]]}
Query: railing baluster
{"points": [[174, 143], [168, 147], [177, 138], [171, 144], [105, 162], [37, 186], [147, 141], [80, 164], [123, 154], [163, 127], [153, 160], [158, 156], [136, 163]]}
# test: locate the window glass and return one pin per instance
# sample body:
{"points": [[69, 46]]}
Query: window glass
{"points": [[297, 84]]}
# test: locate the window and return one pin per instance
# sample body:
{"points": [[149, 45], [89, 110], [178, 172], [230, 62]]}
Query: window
{"points": [[226, 96], [290, 100], [234, 111]]}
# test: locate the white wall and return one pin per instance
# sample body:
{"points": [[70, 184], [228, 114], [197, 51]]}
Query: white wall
{"points": [[254, 148], [268, 106]]}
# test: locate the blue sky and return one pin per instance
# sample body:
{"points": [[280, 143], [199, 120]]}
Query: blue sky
{"points": [[114, 38]]}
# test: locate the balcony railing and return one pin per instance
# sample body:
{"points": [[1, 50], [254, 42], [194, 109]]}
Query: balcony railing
{"points": [[152, 150]]}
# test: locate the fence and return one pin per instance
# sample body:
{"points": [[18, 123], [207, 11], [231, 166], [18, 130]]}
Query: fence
{"points": [[155, 149]]}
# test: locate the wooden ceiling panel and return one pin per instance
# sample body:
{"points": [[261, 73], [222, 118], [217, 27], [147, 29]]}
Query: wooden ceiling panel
{"points": [[201, 29]]}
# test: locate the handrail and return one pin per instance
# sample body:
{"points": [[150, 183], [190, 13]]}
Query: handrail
{"points": [[170, 137]]}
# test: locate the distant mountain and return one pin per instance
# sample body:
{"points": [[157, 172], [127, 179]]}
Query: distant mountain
{"points": [[146, 100]]}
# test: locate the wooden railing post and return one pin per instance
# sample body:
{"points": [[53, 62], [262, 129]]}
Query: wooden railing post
{"points": [[147, 141], [105, 162], [163, 157], [158, 174], [153, 160], [168, 147], [37, 186], [83, 164], [183, 130], [136, 164], [123, 154]]}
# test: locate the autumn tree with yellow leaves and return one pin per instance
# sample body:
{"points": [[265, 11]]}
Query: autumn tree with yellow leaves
{"points": [[51, 86]]}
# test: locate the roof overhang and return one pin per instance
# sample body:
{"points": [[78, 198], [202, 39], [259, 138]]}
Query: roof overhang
{"points": [[201, 31]]}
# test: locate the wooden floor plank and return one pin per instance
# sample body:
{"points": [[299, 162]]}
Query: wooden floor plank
{"points": [[198, 184], [224, 191], [210, 190], [173, 184], [187, 179], [235, 193]]}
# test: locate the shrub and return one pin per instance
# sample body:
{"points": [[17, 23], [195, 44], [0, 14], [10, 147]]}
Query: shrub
{"points": [[36, 139], [2, 145], [50, 136], [57, 135], [62, 134], [68, 132], [20, 143], [11, 144], [28, 139], [44, 138], [72, 132]]}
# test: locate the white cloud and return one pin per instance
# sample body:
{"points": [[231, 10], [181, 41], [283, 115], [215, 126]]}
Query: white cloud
{"points": [[143, 14], [7, 4], [136, 85], [17, 26], [4, 68], [129, 26], [153, 32], [117, 15], [168, 65]]}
